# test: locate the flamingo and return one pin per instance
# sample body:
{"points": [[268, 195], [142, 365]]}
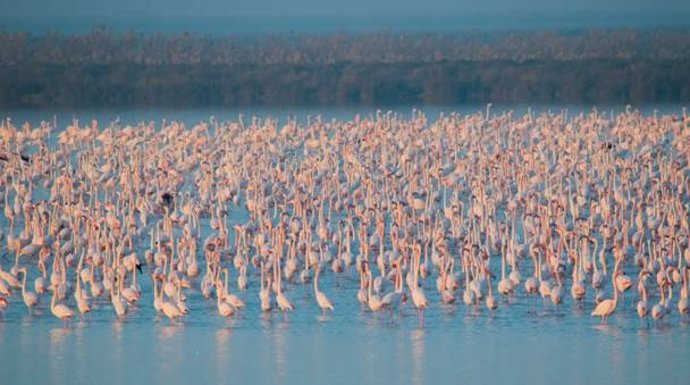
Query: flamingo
{"points": [[4, 289], [606, 307], [321, 298], [505, 285], [282, 300], [532, 283], [491, 302], [395, 298], [659, 309], [30, 299], [157, 296], [556, 293], [224, 308], [230, 298], [643, 304], [132, 293], [180, 301], [80, 296], [119, 303], [10, 278], [170, 309], [40, 282], [60, 311], [264, 293], [683, 305], [418, 297], [373, 300], [362, 294], [386, 189], [623, 283]]}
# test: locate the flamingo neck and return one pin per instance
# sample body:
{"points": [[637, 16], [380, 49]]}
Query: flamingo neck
{"points": [[24, 283], [316, 280], [226, 281], [613, 281]]}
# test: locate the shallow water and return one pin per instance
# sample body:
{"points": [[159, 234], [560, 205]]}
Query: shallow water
{"points": [[444, 22], [522, 341], [348, 346]]}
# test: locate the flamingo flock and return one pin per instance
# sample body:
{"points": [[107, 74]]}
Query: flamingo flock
{"points": [[495, 208]]}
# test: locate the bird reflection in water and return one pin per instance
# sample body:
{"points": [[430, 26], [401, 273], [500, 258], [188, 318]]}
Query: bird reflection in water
{"points": [[118, 325], [418, 345], [168, 332], [281, 361], [58, 335], [222, 350], [222, 338], [614, 331]]}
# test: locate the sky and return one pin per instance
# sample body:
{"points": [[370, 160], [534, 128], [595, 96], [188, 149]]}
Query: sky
{"points": [[27, 9]]}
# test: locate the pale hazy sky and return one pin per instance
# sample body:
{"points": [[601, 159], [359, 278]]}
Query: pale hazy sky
{"points": [[220, 8]]}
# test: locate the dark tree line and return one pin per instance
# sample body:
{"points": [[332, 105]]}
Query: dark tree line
{"points": [[111, 69]]}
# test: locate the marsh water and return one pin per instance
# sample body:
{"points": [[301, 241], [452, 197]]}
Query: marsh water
{"points": [[521, 342], [271, 23]]}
